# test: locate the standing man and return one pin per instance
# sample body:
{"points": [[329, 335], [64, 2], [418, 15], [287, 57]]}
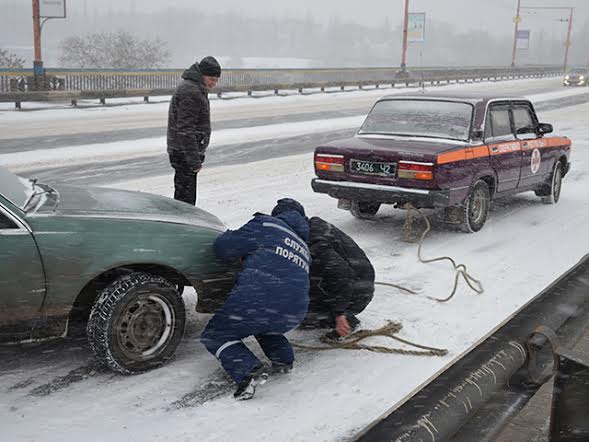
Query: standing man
{"points": [[269, 298], [189, 126], [342, 279]]}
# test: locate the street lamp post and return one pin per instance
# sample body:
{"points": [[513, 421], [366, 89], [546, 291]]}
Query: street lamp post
{"points": [[516, 20], [46, 10], [568, 42], [405, 26], [38, 62]]}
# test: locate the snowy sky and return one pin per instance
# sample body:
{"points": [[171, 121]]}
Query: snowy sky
{"points": [[467, 13], [472, 13], [493, 17]]}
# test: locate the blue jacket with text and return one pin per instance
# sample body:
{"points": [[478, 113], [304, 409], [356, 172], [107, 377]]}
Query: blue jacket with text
{"points": [[274, 284]]}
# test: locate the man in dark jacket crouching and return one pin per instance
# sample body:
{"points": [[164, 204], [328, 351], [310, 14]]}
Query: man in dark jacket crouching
{"points": [[269, 298], [342, 279], [189, 126]]}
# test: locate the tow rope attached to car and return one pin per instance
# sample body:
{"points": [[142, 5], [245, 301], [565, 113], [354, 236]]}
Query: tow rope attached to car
{"points": [[352, 341], [460, 269]]}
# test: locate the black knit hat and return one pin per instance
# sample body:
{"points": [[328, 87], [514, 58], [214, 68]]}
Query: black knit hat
{"points": [[210, 67], [286, 204]]}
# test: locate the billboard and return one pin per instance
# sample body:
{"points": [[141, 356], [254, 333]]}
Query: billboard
{"points": [[52, 8], [416, 27], [522, 39]]}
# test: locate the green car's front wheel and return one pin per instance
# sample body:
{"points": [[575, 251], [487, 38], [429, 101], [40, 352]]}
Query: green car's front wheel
{"points": [[136, 323]]}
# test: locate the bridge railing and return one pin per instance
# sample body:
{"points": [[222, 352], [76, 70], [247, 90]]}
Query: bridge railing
{"points": [[71, 84]]}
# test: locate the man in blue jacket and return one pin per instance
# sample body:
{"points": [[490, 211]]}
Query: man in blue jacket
{"points": [[269, 298]]}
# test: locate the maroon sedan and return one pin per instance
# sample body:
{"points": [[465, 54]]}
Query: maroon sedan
{"points": [[455, 152]]}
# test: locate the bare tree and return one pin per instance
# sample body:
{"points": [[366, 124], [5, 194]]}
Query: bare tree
{"points": [[119, 50], [10, 60]]}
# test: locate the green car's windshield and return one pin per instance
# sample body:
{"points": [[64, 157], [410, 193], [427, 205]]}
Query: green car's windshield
{"points": [[420, 118], [15, 189]]}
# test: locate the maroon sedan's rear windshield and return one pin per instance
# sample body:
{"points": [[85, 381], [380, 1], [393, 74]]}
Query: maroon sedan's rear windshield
{"points": [[420, 118]]}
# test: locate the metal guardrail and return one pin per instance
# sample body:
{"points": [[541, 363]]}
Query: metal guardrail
{"points": [[475, 397], [66, 84]]}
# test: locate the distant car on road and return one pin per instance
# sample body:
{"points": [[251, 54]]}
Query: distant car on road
{"points": [[109, 260], [576, 77], [455, 152]]}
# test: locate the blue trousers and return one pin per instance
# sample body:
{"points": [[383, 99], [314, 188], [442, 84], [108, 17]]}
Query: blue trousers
{"points": [[224, 333]]}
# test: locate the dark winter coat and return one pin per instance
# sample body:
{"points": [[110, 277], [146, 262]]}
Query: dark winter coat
{"points": [[189, 122], [341, 273], [273, 285]]}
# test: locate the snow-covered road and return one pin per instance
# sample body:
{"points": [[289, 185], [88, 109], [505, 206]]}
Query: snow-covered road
{"points": [[128, 114], [52, 393], [247, 136]]}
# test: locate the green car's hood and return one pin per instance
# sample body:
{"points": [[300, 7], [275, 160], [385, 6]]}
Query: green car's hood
{"points": [[95, 202]]}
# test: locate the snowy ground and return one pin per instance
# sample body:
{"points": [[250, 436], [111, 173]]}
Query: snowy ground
{"points": [[52, 393]]}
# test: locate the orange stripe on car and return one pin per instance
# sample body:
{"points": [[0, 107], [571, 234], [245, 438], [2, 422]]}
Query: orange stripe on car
{"points": [[508, 147], [469, 153], [541, 143], [451, 157], [479, 151]]}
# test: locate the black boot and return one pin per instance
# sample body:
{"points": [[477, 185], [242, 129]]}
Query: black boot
{"points": [[278, 368], [247, 387]]}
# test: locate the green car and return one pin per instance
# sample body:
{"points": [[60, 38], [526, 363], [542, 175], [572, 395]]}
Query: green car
{"points": [[109, 261]]}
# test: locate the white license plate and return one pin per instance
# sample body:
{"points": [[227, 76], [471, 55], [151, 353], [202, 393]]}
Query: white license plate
{"points": [[372, 168]]}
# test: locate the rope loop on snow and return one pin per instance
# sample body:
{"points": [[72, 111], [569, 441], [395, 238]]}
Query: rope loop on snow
{"points": [[352, 342], [460, 269]]}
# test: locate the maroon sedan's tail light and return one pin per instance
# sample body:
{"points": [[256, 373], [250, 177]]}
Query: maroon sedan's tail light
{"points": [[329, 162], [415, 171]]}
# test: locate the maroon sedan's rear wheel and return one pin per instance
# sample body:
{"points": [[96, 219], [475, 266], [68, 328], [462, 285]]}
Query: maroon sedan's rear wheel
{"points": [[364, 209], [475, 209]]}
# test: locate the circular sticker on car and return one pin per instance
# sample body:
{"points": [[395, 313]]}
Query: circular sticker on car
{"points": [[536, 159]]}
